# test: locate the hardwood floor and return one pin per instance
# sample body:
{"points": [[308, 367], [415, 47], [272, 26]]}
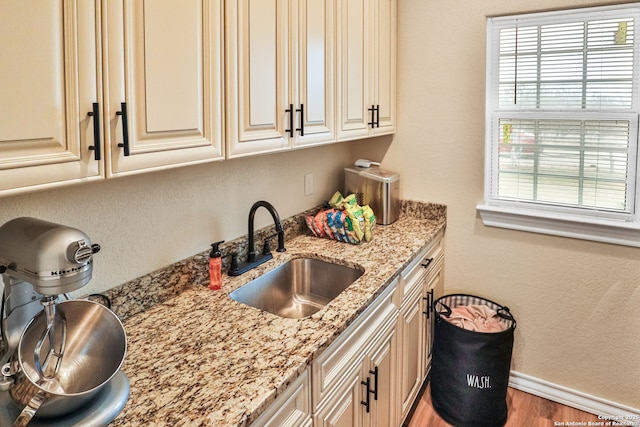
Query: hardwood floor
{"points": [[524, 410]]}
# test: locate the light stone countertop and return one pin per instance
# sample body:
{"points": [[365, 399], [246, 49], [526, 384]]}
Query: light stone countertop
{"points": [[200, 358]]}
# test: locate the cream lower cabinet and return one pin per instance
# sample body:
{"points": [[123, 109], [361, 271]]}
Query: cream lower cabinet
{"points": [[292, 408], [434, 288], [279, 75], [355, 381], [365, 397], [99, 89], [372, 373], [420, 283], [366, 68], [411, 322]]}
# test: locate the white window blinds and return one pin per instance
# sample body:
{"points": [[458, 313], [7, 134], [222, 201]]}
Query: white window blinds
{"points": [[562, 112], [573, 65]]}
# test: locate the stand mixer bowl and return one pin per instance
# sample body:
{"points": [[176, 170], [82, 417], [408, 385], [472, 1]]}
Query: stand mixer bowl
{"points": [[94, 352]]}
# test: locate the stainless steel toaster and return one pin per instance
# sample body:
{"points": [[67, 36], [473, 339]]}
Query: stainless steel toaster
{"points": [[378, 188]]}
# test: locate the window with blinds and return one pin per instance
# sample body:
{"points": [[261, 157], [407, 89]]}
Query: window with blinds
{"points": [[562, 112]]}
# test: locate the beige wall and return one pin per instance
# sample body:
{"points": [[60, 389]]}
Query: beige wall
{"points": [[577, 303], [149, 221]]}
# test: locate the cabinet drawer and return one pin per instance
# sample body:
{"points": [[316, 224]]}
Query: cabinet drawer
{"points": [[413, 275], [343, 356]]}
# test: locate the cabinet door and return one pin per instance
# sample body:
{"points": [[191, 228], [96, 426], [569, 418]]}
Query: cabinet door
{"points": [[163, 65], [434, 288], [384, 69], [343, 408], [292, 408], [354, 63], [383, 378], [312, 72], [257, 52], [49, 80], [412, 325]]}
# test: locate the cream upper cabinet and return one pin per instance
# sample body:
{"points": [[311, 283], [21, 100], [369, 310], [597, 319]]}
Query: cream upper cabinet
{"points": [[313, 72], [163, 83], [365, 57], [279, 75], [384, 66], [353, 65], [257, 73], [89, 93], [46, 132], [100, 89]]}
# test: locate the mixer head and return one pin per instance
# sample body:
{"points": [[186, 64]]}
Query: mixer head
{"points": [[53, 258]]}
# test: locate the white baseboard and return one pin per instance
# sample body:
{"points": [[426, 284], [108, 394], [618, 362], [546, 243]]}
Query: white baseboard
{"points": [[573, 398]]}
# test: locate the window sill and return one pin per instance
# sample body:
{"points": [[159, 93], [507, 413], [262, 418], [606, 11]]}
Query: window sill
{"points": [[598, 230]]}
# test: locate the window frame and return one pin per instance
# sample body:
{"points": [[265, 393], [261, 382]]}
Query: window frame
{"points": [[573, 222]]}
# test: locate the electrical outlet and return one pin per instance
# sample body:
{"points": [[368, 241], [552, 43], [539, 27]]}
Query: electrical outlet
{"points": [[308, 184]]}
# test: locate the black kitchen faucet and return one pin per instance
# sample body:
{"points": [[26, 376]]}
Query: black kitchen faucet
{"points": [[254, 259]]}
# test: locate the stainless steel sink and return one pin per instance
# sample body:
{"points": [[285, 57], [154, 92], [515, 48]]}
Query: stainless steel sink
{"points": [[297, 288]]}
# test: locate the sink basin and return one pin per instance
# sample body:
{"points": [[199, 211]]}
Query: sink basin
{"points": [[297, 288]]}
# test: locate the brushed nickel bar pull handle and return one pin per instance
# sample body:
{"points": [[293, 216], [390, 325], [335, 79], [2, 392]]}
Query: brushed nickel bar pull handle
{"points": [[125, 128]]}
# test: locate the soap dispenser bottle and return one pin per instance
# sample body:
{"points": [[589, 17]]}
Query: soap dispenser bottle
{"points": [[215, 267]]}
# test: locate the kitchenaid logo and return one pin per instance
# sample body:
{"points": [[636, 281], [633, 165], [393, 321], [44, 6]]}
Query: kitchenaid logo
{"points": [[67, 271], [70, 270], [477, 381]]}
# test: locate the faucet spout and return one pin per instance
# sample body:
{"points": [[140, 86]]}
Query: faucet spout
{"points": [[251, 255], [254, 259]]}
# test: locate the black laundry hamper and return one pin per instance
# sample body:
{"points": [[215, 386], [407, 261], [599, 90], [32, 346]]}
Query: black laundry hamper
{"points": [[470, 370]]}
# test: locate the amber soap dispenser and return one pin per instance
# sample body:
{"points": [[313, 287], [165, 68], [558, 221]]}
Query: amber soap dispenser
{"points": [[215, 267]]}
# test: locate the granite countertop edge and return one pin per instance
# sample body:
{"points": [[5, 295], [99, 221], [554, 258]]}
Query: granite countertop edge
{"points": [[196, 357]]}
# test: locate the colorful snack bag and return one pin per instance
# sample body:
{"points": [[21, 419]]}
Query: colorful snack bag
{"points": [[336, 200], [369, 222], [309, 220], [345, 221], [328, 232], [349, 228], [349, 202], [356, 218], [331, 220], [317, 223], [339, 224]]}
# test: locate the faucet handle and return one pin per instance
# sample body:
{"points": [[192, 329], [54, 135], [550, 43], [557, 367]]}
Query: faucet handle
{"points": [[234, 262], [266, 250]]}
